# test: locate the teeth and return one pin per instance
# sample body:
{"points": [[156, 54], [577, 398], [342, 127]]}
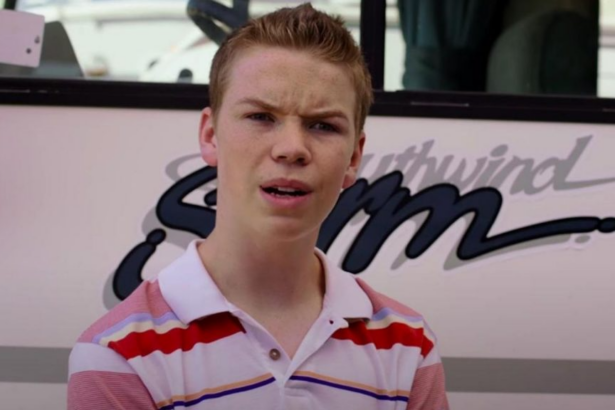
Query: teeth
{"points": [[281, 189], [285, 191]]}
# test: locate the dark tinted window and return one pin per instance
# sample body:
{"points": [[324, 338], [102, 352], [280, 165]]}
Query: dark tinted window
{"points": [[502, 46]]}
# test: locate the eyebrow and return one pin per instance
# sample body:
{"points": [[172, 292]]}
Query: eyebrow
{"points": [[256, 102], [270, 107]]}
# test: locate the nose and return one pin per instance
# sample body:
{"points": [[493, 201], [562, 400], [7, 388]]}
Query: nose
{"points": [[292, 145]]}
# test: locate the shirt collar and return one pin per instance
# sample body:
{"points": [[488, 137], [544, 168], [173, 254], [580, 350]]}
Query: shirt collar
{"points": [[343, 295], [192, 294], [189, 290]]}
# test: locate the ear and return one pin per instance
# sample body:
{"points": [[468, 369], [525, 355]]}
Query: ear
{"points": [[207, 138], [355, 160]]}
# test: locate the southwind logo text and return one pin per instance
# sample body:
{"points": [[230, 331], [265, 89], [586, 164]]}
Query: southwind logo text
{"points": [[450, 189]]}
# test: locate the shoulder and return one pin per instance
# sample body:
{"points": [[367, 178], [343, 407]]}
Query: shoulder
{"points": [[104, 349], [144, 306], [99, 370], [401, 323], [382, 302]]}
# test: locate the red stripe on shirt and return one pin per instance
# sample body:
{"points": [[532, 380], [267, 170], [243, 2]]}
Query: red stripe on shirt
{"points": [[206, 330], [395, 333]]}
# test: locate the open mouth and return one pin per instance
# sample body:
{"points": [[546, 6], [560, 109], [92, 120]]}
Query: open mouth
{"points": [[284, 192]]}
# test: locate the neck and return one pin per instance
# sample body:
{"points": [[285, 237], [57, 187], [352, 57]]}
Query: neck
{"points": [[261, 275]]}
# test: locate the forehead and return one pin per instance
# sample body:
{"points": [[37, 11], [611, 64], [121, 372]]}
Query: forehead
{"points": [[295, 79]]}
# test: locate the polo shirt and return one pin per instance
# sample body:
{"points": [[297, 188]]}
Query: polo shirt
{"points": [[176, 342]]}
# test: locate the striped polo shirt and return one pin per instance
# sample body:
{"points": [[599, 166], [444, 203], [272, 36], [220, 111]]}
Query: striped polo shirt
{"points": [[176, 343]]}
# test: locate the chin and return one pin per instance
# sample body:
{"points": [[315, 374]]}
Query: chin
{"points": [[288, 230]]}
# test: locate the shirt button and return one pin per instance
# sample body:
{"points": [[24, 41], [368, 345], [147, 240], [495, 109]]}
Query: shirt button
{"points": [[274, 354]]}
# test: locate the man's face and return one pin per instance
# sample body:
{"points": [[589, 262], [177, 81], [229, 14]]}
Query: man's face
{"points": [[284, 142]]}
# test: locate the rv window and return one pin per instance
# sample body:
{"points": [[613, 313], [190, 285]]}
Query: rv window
{"points": [[148, 40], [564, 47], [530, 47]]}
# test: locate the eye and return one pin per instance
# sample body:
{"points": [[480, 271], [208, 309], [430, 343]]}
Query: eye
{"points": [[324, 126], [260, 116]]}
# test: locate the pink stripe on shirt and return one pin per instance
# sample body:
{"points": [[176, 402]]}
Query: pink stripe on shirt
{"points": [[145, 299]]}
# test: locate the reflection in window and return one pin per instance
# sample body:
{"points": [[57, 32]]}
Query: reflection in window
{"points": [[146, 40], [501, 46]]}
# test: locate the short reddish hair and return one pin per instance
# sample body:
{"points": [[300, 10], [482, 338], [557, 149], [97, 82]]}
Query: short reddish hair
{"points": [[299, 28]]}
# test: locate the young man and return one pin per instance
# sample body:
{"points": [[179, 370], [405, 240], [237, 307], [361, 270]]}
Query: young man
{"points": [[254, 317]]}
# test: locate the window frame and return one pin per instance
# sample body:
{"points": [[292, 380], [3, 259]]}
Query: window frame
{"points": [[403, 103]]}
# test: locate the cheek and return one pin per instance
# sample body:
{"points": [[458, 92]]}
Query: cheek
{"points": [[342, 159], [337, 175], [238, 164]]}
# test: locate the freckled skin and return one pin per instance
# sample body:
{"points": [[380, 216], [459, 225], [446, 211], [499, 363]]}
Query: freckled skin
{"points": [[285, 114]]}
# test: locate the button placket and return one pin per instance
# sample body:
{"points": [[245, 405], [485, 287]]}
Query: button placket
{"points": [[318, 335], [264, 344]]}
